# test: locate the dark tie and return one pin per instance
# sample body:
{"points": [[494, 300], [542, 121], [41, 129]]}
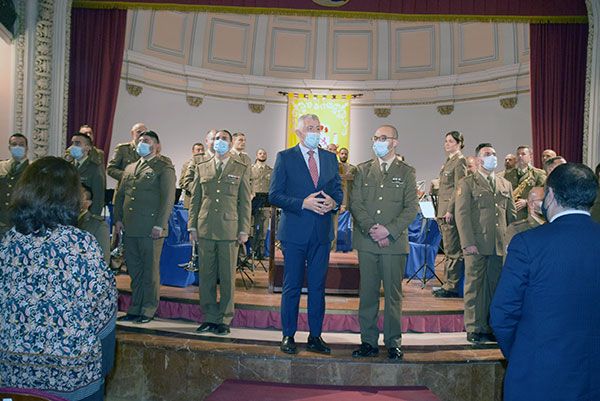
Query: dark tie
{"points": [[13, 168], [219, 168], [139, 166], [312, 167], [384, 168], [492, 183]]}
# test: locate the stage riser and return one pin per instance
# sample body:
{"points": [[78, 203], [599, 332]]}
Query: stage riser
{"points": [[151, 368]]}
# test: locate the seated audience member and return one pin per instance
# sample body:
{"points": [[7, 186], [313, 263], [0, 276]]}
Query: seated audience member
{"points": [[52, 336], [534, 218], [93, 224], [545, 309], [551, 163], [548, 154]]}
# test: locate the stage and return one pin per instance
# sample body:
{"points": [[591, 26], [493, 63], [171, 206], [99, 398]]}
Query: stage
{"points": [[167, 360]]}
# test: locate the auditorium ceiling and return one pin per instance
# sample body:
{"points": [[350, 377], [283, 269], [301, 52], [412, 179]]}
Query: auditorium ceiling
{"points": [[259, 57]]}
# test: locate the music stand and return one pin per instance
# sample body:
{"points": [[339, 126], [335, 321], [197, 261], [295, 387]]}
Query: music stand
{"points": [[428, 213], [244, 263]]}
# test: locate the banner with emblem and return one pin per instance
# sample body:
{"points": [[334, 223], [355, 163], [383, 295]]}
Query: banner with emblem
{"points": [[333, 112]]}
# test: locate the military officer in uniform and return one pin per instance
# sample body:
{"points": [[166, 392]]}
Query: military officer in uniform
{"points": [[347, 172], [95, 225], [90, 170], [96, 154], [10, 171], [190, 174], [534, 218], [220, 222], [143, 204], [383, 203], [125, 154], [260, 178], [484, 208], [524, 177], [197, 149], [454, 169], [238, 148]]}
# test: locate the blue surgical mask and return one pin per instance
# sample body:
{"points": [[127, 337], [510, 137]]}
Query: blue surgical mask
{"points": [[221, 146], [490, 162], [18, 152], [76, 152], [380, 148], [143, 149], [311, 140]]}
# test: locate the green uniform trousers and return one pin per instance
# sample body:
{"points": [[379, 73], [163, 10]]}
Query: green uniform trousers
{"points": [[454, 264], [142, 256], [375, 268], [482, 273], [218, 260]]}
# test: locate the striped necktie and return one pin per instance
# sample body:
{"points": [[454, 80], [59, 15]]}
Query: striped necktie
{"points": [[312, 167]]}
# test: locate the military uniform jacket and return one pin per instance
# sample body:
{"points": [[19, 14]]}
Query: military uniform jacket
{"points": [[220, 206], [482, 215], [187, 180], [389, 200], [92, 175], [535, 178], [124, 155], [452, 172], [146, 196], [261, 177], [346, 168], [98, 227], [97, 155], [519, 226], [8, 180]]}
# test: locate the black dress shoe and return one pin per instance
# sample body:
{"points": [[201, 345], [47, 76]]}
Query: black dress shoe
{"points": [[365, 350], [316, 344], [222, 329], [144, 319], [395, 353], [475, 338], [206, 327], [127, 318], [489, 337], [288, 345], [442, 293]]}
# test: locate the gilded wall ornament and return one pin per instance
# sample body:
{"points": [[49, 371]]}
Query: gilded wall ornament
{"points": [[256, 107], [382, 112], [445, 109], [508, 102], [194, 101], [134, 90]]}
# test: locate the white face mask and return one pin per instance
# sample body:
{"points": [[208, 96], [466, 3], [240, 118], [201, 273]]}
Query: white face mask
{"points": [[490, 162]]}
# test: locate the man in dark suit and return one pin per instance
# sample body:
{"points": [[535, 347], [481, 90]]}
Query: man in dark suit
{"points": [[545, 310], [306, 185]]}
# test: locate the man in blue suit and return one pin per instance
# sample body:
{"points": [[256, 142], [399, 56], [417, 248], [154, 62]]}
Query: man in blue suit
{"points": [[545, 311], [306, 185]]}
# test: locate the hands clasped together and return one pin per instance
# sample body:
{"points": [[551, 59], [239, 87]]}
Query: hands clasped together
{"points": [[319, 202]]}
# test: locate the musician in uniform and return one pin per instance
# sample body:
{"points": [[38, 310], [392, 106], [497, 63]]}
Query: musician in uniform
{"points": [[188, 178], [10, 171], [524, 177], [483, 208], [238, 148], [454, 169], [91, 171], [347, 172], [260, 178], [95, 225], [197, 149], [125, 154], [143, 204], [219, 220], [96, 154], [383, 203], [534, 218]]}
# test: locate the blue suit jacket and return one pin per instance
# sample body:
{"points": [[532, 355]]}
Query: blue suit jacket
{"points": [[546, 312], [291, 183]]}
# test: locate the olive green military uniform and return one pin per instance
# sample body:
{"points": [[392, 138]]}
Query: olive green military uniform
{"points": [[482, 215], [260, 177], [124, 155], [518, 227], [182, 185], [347, 173], [452, 172], [534, 177], [188, 177], [92, 175], [390, 200], [219, 210], [98, 227], [144, 200], [10, 171], [97, 155]]}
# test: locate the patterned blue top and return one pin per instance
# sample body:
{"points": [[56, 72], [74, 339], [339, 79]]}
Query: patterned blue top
{"points": [[57, 299]]}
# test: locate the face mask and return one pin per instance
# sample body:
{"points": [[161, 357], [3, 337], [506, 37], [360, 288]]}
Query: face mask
{"points": [[76, 152], [311, 140], [18, 152], [490, 163], [143, 149], [221, 146], [380, 148]]}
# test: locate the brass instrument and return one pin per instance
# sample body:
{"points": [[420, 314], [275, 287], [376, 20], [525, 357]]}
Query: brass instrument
{"points": [[193, 265], [527, 181], [117, 255]]}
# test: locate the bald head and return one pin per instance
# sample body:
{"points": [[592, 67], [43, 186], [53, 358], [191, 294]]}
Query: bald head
{"points": [[137, 130], [548, 154]]}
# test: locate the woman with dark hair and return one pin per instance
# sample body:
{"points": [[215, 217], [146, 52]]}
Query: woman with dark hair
{"points": [[58, 299], [454, 169]]}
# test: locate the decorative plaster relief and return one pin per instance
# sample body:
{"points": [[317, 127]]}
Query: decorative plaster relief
{"points": [[134, 90]]}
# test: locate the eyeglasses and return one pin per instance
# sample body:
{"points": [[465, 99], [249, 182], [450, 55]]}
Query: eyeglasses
{"points": [[382, 138], [313, 128]]}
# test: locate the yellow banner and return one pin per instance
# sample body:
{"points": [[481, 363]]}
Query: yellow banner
{"points": [[334, 115]]}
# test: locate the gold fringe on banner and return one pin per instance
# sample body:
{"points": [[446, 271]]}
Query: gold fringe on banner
{"points": [[535, 19]]}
